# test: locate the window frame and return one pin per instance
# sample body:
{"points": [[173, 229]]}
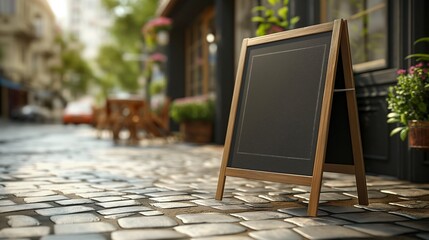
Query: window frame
{"points": [[200, 84], [373, 65]]}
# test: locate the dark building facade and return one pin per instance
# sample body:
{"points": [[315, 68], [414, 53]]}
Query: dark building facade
{"points": [[206, 38]]}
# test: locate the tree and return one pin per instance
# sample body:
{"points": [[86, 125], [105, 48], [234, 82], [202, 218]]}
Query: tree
{"points": [[129, 17], [73, 72]]}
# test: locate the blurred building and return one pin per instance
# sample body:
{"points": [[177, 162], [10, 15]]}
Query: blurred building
{"points": [[89, 21], [27, 34], [206, 37]]}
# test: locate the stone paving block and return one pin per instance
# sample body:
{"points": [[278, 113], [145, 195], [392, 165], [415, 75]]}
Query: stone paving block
{"points": [[22, 221], [123, 210], [315, 221], [145, 190], [6, 202], [147, 222], [381, 229], [424, 236], [117, 216], [371, 194], [74, 218], [36, 194], [109, 198], [91, 236], [267, 224], [422, 225], [79, 228], [378, 207], [278, 198], [412, 213], [74, 201], [63, 210], [340, 209], [20, 207], [411, 192], [307, 189], [231, 207], [226, 237], [214, 202], [134, 196], [276, 234], [165, 194], [327, 196], [369, 217], [45, 199], [261, 215], [173, 198], [210, 229], [143, 234], [411, 204], [329, 232], [123, 203], [206, 218], [170, 205], [81, 190], [24, 232], [252, 199], [100, 194], [151, 213], [300, 211]]}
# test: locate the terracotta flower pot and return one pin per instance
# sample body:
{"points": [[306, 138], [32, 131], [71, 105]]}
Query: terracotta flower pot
{"points": [[418, 136], [197, 131]]}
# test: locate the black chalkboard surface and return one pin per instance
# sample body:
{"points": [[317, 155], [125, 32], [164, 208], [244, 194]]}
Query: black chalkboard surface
{"points": [[293, 113], [279, 107]]}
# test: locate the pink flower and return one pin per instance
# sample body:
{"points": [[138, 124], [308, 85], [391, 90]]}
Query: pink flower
{"points": [[158, 57], [411, 70], [160, 22], [401, 71], [419, 65]]}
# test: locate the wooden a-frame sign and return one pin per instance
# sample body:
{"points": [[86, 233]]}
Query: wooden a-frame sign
{"points": [[294, 113]]}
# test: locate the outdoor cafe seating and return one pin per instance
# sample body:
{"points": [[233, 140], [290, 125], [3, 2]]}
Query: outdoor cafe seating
{"points": [[133, 115]]}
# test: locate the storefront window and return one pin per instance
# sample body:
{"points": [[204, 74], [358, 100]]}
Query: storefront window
{"points": [[201, 55], [367, 23]]}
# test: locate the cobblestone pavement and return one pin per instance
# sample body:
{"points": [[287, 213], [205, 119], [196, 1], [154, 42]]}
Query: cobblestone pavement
{"points": [[62, 183]]}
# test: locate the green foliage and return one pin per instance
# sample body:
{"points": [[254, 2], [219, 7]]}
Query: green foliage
{"points": [[123, 74], [74, 72], [273, 18], [192, 109], [409, 98], [129, 17], [157, 86], [420, 56]]}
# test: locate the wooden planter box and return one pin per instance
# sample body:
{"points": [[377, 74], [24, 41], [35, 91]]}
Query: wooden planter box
{"points": [[197, 131], [418, 136]]}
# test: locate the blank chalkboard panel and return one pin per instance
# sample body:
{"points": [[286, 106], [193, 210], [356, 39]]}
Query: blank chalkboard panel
{"points": [[279, 107]]}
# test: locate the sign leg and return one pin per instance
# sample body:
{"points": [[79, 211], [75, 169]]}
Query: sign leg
{"points": [[313, 203], [220, 186]]}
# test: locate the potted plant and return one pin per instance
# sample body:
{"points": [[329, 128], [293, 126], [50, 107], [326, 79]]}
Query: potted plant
{"points": [[195, 116], [273, 17], [408, 102]]}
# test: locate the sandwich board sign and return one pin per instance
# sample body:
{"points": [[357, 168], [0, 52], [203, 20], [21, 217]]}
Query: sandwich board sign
{"points": [[294, 113]]}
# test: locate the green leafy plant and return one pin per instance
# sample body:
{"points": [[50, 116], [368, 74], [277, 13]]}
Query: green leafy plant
{"points": [[157, 86], [420, 56], [199, 108], [273, 18], [409, 98]]}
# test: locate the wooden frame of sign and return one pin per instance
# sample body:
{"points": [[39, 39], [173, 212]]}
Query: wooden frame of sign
{"points": [[294, 112]]}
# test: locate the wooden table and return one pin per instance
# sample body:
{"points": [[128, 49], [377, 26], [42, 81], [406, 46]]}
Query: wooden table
{"points": [[125, 113]]}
